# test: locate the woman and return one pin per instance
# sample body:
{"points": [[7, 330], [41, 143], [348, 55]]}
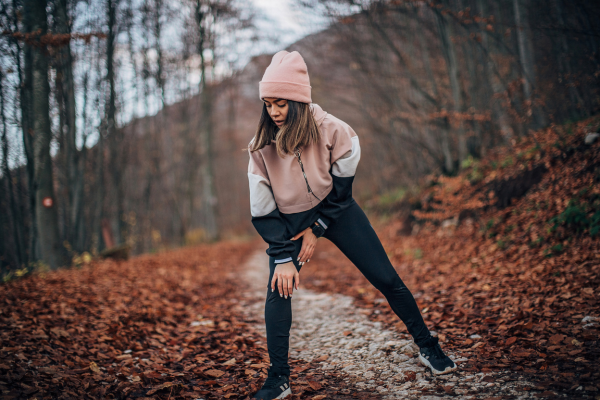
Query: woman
{"points": [[302, 165]]}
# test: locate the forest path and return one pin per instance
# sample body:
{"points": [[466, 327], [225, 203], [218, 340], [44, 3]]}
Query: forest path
{"points": [[331, 328]]}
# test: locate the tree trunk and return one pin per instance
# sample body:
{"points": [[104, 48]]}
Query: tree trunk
{"points": [[52, 251], [66, 98], [208, 190], [114, 135], [83, 230], [14, 216], [27, 249], [524, 56], [493, 83], [527, 60], [444, 132], [449, 51], [99, 188], [563, 58], [209, 199], [25, 96], [157, 27]]}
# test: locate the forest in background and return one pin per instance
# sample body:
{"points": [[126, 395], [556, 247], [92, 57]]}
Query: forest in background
{"points": [[130, 116]]}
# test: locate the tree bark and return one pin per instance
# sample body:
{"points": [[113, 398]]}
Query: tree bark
{"points": [[25, 72], [52, 251]]}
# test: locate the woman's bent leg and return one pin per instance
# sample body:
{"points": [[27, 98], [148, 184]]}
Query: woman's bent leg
{"points": [[278, 319], [353, 234]]}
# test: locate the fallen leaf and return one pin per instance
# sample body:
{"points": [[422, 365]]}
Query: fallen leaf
{"points": [[94, 367], [230, 362], [160, 387], [215, 373], [49, 371], [410, 376], [556, 339]]}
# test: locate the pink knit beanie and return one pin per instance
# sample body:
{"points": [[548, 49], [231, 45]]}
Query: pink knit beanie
{"points": [[286, 78]]}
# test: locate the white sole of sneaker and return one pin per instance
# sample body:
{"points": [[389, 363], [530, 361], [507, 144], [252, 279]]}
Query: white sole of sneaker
{"points": [[286, 393], [426, 363]]}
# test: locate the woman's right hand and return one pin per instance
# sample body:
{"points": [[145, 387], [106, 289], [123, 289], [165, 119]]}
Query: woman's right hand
{"points": [[284, 277]]}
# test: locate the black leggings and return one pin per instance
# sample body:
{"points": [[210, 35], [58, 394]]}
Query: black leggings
{"points": [[353, 234]]}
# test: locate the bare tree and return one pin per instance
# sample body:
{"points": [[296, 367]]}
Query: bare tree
{"points": [[449, 51], [73, 157], [52, 250], [14, 216], [206, 15], [527, 59], [114, 135]]}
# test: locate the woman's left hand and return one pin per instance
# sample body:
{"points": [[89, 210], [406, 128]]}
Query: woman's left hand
{"points": [[308, 245]]}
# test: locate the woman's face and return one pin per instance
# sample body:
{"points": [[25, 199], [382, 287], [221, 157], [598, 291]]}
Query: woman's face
{"points": [[277, 109]]}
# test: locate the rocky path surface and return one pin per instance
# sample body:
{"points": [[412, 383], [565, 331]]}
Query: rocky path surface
{"points": [[329, 327]]}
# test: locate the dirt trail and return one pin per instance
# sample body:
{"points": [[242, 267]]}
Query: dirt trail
{"points": [[369, 357]]}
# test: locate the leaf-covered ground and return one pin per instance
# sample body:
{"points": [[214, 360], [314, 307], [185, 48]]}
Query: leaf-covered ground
{"points": [[158, 326]]}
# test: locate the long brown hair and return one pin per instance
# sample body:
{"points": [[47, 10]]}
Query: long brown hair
{"points": [[300, 129]]}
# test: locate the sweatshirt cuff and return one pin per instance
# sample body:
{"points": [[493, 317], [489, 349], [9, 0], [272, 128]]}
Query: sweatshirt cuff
{"points": [[320, 225], [283, 258], [323, 221]]}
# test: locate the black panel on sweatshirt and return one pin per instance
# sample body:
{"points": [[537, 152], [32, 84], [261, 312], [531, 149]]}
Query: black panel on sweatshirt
{"points": [[277, 228]]}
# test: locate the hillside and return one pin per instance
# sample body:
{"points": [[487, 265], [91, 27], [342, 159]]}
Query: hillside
{"points": [[504, 260]]}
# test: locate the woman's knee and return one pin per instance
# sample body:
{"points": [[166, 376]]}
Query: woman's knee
{"points": [[389, 283], [274, 299]]}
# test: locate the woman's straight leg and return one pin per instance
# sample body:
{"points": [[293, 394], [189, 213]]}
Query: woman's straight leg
{"points": [[278, 319], [353, 234]]}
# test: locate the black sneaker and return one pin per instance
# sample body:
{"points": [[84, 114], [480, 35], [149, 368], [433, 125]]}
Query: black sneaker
{"points": [[432, 356], [275, 387]]}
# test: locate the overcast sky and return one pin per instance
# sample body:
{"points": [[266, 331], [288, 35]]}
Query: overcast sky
{"points": [[285, 22]]}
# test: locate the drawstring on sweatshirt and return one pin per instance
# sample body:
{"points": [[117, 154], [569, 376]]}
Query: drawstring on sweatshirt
{"points": [[297, 154]]}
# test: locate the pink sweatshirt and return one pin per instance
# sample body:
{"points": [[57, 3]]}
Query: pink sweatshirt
{"points": [[338, 149], [279, 196]]}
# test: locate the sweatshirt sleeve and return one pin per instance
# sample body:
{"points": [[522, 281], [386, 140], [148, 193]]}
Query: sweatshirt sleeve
{"points": [[265, 215], [345, 155]]}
